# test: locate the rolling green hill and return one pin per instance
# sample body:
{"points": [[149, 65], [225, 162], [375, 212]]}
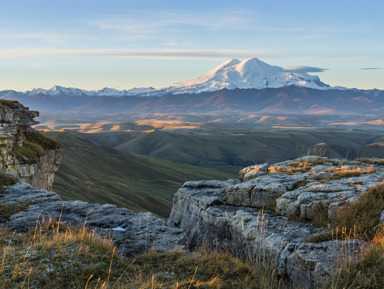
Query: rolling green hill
{"points": [[230, 149], [94, 173]]}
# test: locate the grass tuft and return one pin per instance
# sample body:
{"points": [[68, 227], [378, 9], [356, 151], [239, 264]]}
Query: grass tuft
{"points": [[359, 220], [60, 256], [13, 104], [34, 146], [371, 161], [42, 140], [345, 172], [368, 272], [363, 215]]}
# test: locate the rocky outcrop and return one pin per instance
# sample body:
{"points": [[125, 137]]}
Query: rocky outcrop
{"points": [[15, 128], [132, 232], [254, 216]]}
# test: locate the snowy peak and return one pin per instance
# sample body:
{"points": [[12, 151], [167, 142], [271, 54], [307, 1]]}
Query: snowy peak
{"points": [[254, 66], [250, 73], [70, 91]]}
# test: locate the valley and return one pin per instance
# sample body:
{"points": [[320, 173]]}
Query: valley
{"points": [[96, 174], [142, 170]]}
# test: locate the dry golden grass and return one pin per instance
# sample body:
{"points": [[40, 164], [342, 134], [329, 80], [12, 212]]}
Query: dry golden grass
{"points": [[363, 215], [346, 172], [358, 220], [368, 272], [54, 255], [290, 171]]}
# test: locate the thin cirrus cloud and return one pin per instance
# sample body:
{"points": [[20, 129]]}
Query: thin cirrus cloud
{"points": [[46, 37], [149, 22], [370, 68], [166, 54], [304, 69]]}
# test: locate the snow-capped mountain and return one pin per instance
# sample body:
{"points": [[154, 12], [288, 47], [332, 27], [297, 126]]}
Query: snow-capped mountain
{"points": [[142, 91], [251, 73], [58, 90], [232, 74], [70, 91]]}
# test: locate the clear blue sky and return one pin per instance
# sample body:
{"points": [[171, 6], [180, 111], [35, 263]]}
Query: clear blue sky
{"points": [[92, 44]]}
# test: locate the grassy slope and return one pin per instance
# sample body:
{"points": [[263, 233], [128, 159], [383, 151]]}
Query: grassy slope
{"points": [[93, 173], [225, 149]]}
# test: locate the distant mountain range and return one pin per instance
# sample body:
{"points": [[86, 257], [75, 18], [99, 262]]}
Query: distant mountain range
{"points": [[234, 86], [232, 74]]}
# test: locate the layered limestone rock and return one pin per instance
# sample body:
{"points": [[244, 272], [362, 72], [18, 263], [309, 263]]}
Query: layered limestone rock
{"points": [[253, 216], [15, 127], [132, 232]]}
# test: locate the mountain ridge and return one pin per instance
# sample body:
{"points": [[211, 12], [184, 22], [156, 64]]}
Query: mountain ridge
{"points": [[251, 73]]}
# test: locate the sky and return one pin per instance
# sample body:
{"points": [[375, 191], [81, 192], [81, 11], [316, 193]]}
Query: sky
{"points": [[122, 44]]}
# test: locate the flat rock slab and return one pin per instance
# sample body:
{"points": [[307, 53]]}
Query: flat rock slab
{"points": [[133, 232], [300, 187]]}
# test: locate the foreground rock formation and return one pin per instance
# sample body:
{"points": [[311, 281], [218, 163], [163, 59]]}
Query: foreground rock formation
{"points": [[132, 232], [15, 131], [253, 216]]}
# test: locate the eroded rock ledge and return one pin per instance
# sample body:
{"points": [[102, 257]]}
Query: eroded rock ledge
{"points": [[253, 216], [16, 147]]}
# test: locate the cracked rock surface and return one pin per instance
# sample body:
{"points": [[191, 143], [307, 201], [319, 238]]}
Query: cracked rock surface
{"points": [[234, 215]]}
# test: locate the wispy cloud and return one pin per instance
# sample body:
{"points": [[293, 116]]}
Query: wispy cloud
{"points": [[150, 24], [46, 36], [370, 68], [166, 54], [148, 21], [33, 35], [304, 69]]}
